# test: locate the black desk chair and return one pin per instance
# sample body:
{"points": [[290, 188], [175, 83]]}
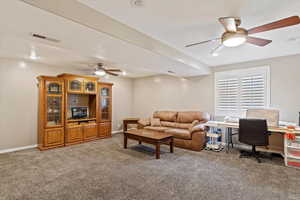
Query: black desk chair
{"points": [[253, 132]]}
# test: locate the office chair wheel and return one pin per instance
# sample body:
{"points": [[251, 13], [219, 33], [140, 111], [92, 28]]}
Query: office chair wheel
{"points": [[245, 154], [257, 158]]}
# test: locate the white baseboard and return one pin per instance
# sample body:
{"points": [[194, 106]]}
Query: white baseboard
{"points": [[120, 131], [35, 145], [17, 149], [115, 132]]}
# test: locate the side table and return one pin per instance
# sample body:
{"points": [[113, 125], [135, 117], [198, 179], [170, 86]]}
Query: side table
{"points": [[127, 121]]}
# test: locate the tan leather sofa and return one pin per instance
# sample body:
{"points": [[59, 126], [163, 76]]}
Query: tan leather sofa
{"points": [[186, 127]]}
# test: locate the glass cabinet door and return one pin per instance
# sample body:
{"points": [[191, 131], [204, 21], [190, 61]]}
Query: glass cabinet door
{"points": [[105, 107], [90, 87], [105, 92], [105, 104], [54, 111], [54, 87], [75, 86]]}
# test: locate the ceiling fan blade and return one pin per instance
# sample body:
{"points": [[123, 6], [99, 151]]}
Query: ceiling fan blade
{"points": [[228, 23], [290, 21], [203, 42], [114, 70], [258, 41], [110, 73], [215, 51]]}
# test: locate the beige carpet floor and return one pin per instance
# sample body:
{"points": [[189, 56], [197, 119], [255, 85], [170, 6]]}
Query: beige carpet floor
{"points": [[104, 170]]}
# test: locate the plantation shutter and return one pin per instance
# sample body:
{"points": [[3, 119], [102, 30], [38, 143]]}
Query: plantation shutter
{"points": [[252, 92], [239, 90], [227, 94]]}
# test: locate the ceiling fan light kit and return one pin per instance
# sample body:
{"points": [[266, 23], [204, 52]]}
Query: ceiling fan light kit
{"points": [[235, 36], [234, 39], [100, 72]]}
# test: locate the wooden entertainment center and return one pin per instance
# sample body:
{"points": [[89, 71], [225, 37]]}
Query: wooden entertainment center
{"points": [[73, 109]]}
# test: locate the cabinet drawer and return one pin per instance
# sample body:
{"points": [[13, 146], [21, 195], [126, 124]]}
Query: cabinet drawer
{"points": [[90, 131], [54, 137], [74, 134], [105, 129]]}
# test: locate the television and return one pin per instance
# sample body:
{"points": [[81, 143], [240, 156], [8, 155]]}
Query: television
{"points": [[79, 112]]}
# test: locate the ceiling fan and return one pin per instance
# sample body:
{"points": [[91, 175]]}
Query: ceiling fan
{"points": [[235, 36], [100, 70]]}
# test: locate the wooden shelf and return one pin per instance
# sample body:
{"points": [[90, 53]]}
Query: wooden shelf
{"points": [[81, 120]]}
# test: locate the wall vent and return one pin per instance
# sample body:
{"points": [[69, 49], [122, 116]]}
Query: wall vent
{"points": [[44, 37]]}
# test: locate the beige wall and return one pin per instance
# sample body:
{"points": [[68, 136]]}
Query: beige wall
{"points": [[285, 83], [172, 93], [19, 97], [166, 92]]}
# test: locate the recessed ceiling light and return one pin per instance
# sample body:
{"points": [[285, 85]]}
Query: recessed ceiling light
{"points": [[183, 79], [33, 55], [180, 60], [124, 73], [215, 54], [22, 64]]}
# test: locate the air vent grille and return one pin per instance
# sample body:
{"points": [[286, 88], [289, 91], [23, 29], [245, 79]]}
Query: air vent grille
{"points": [[44, 37]]}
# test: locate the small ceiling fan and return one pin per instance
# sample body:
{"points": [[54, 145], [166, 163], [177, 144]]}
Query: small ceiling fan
{"points": [[235, 36], [100, 70]]}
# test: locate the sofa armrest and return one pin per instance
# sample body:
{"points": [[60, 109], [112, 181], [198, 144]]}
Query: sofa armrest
{"points": [[198, 128]]}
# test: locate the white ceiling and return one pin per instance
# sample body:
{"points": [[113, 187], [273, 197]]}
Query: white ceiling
{"points": [[178, 23], [79, 44]]}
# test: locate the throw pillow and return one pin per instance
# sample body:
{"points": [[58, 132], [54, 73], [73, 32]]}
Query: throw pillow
{"points": [[144, 121], [155, 122]]}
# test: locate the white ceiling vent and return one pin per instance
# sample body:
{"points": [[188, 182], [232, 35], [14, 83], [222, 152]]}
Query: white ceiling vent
{"points": [[137, 3]]}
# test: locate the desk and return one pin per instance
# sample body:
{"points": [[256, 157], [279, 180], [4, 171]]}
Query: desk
{"points": [[228, 134]]}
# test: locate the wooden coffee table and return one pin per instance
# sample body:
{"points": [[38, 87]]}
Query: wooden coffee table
{"points": [[151, 137]]}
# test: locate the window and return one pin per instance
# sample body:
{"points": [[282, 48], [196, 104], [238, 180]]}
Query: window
{"points": [[239, 90]]}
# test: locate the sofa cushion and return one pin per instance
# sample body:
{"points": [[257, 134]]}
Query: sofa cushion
{"points": [[155, 122], [190, 116], [179, 133], [168, 124], [169, 116], [183, 125], [156, 128]]}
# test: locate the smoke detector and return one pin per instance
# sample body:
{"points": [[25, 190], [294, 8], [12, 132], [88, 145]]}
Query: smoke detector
{"points": [[137, 3]]}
